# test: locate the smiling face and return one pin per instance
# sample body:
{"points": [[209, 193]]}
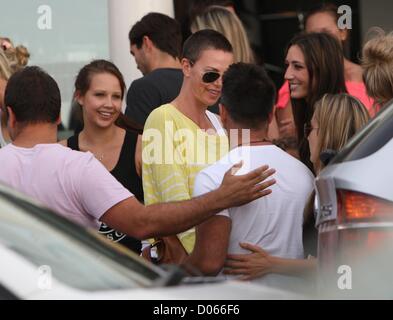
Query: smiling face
{"points": [[210, 60], [297, 73], [101, 104]]}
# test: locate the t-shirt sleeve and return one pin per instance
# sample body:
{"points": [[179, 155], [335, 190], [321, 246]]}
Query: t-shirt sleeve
{"points": [[204, 183], [142, 98], [164, 177], [99, 190]]}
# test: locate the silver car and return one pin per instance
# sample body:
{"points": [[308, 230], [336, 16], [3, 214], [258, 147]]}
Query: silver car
{"points": [[355, 215], [45, 256]]}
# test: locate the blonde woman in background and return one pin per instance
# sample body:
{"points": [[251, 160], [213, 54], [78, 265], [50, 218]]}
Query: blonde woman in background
{"points": [[377, 64], [11, 60], [225, 21], [337, 117]]}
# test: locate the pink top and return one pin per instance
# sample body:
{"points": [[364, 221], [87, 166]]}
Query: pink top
{"points": [[356, 89], [74, 184]]}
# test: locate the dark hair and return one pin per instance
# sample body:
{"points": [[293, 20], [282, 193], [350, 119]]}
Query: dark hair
{"points": [[325, 66], [248, 94], [162, 30], [33, 95], [323, 7], [203, 40], [83, 81]]}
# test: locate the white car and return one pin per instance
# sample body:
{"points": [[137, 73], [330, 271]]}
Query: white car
{"points": [[44, 256]]}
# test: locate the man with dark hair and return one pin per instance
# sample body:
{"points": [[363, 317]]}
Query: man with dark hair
{"points": [[75, 184], [274, 222], [191, 136], [155, 43]]}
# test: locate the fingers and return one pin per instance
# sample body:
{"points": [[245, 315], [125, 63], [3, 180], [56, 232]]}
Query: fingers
{"points": [[266, 174], [250, 247], [235, 271], [257, 173], [235, 168], [285, 122]]}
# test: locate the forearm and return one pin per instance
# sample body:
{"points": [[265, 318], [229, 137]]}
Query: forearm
{"points": [[295, 267], [172, 218]]}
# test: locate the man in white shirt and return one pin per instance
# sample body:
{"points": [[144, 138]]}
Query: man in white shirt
{"points": [[76, 185], [273, 222]]}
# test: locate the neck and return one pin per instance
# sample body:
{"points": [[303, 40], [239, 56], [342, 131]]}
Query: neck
{"points": [[247, 137], [33, 134], [164, 60], [189, 106], [94, 135]]}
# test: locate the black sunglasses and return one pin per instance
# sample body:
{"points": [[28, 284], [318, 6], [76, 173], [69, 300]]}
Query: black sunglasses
{"points": [[209, 76]]}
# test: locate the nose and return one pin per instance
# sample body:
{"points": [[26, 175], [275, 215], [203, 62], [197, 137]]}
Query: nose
{"points": [[288, 73], [109, 102]]}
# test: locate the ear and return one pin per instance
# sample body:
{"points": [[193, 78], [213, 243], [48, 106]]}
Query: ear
{"points": [[343, 34], [223, 113], [270, 117], [11, 118], [79, 98], [147, 44], [186, 66], [58, 120]]}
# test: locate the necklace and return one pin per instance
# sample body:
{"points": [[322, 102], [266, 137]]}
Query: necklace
{"points": [[260, 141], [99, 157]]}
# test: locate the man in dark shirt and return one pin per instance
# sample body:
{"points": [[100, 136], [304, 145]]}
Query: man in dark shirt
{"points": [[155, 43]]}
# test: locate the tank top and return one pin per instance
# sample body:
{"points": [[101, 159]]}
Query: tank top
{"points": [[125, 173]]}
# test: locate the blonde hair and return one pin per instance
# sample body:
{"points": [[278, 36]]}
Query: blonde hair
{"points": [[377, 63], [12, 58], [226, 22], [339, 117]]}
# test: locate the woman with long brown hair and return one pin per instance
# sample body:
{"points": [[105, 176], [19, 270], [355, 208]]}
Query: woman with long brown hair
{"points": [[107, 133]]}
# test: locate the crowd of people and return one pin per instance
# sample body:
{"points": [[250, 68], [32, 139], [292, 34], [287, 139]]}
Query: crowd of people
{"points": [[196, 162]]}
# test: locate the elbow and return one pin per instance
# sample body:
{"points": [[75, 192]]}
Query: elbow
{"points": [[208, 267]]}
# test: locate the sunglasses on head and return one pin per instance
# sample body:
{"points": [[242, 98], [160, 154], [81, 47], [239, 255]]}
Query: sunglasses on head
{"points": [[209, 76]]}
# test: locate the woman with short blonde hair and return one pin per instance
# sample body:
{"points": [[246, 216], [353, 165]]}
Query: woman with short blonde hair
{"points": [[12, 59], [377, 63], [226, 22]]}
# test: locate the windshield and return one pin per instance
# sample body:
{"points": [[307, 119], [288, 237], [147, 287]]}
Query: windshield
{"points": [[370, 139], [74, 256]]}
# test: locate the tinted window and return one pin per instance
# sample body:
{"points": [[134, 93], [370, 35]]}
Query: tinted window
{"points": [[75, 257]]}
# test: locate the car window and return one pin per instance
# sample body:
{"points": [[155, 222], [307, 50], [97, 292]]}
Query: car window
{"points": [[370, 139], [74, 257]]}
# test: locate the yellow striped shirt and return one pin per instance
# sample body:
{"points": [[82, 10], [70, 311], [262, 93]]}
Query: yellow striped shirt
{"points": [[174, 150]]}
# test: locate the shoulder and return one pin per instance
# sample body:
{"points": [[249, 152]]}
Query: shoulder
{"points": [[64, 142], [160, 113]]}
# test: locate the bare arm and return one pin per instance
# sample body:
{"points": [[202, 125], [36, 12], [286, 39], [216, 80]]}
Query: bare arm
{"points": [[211, 245], [131, 217], [259, 263], [285, 121], [138, 156]]}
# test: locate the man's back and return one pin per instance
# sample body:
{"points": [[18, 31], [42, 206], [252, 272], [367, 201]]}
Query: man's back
{"points": [[151, 91], [71, 183], [273, 222]]}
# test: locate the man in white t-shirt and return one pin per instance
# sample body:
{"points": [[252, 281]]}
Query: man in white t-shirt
{"points": [[76, 185], [273, 222]]}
